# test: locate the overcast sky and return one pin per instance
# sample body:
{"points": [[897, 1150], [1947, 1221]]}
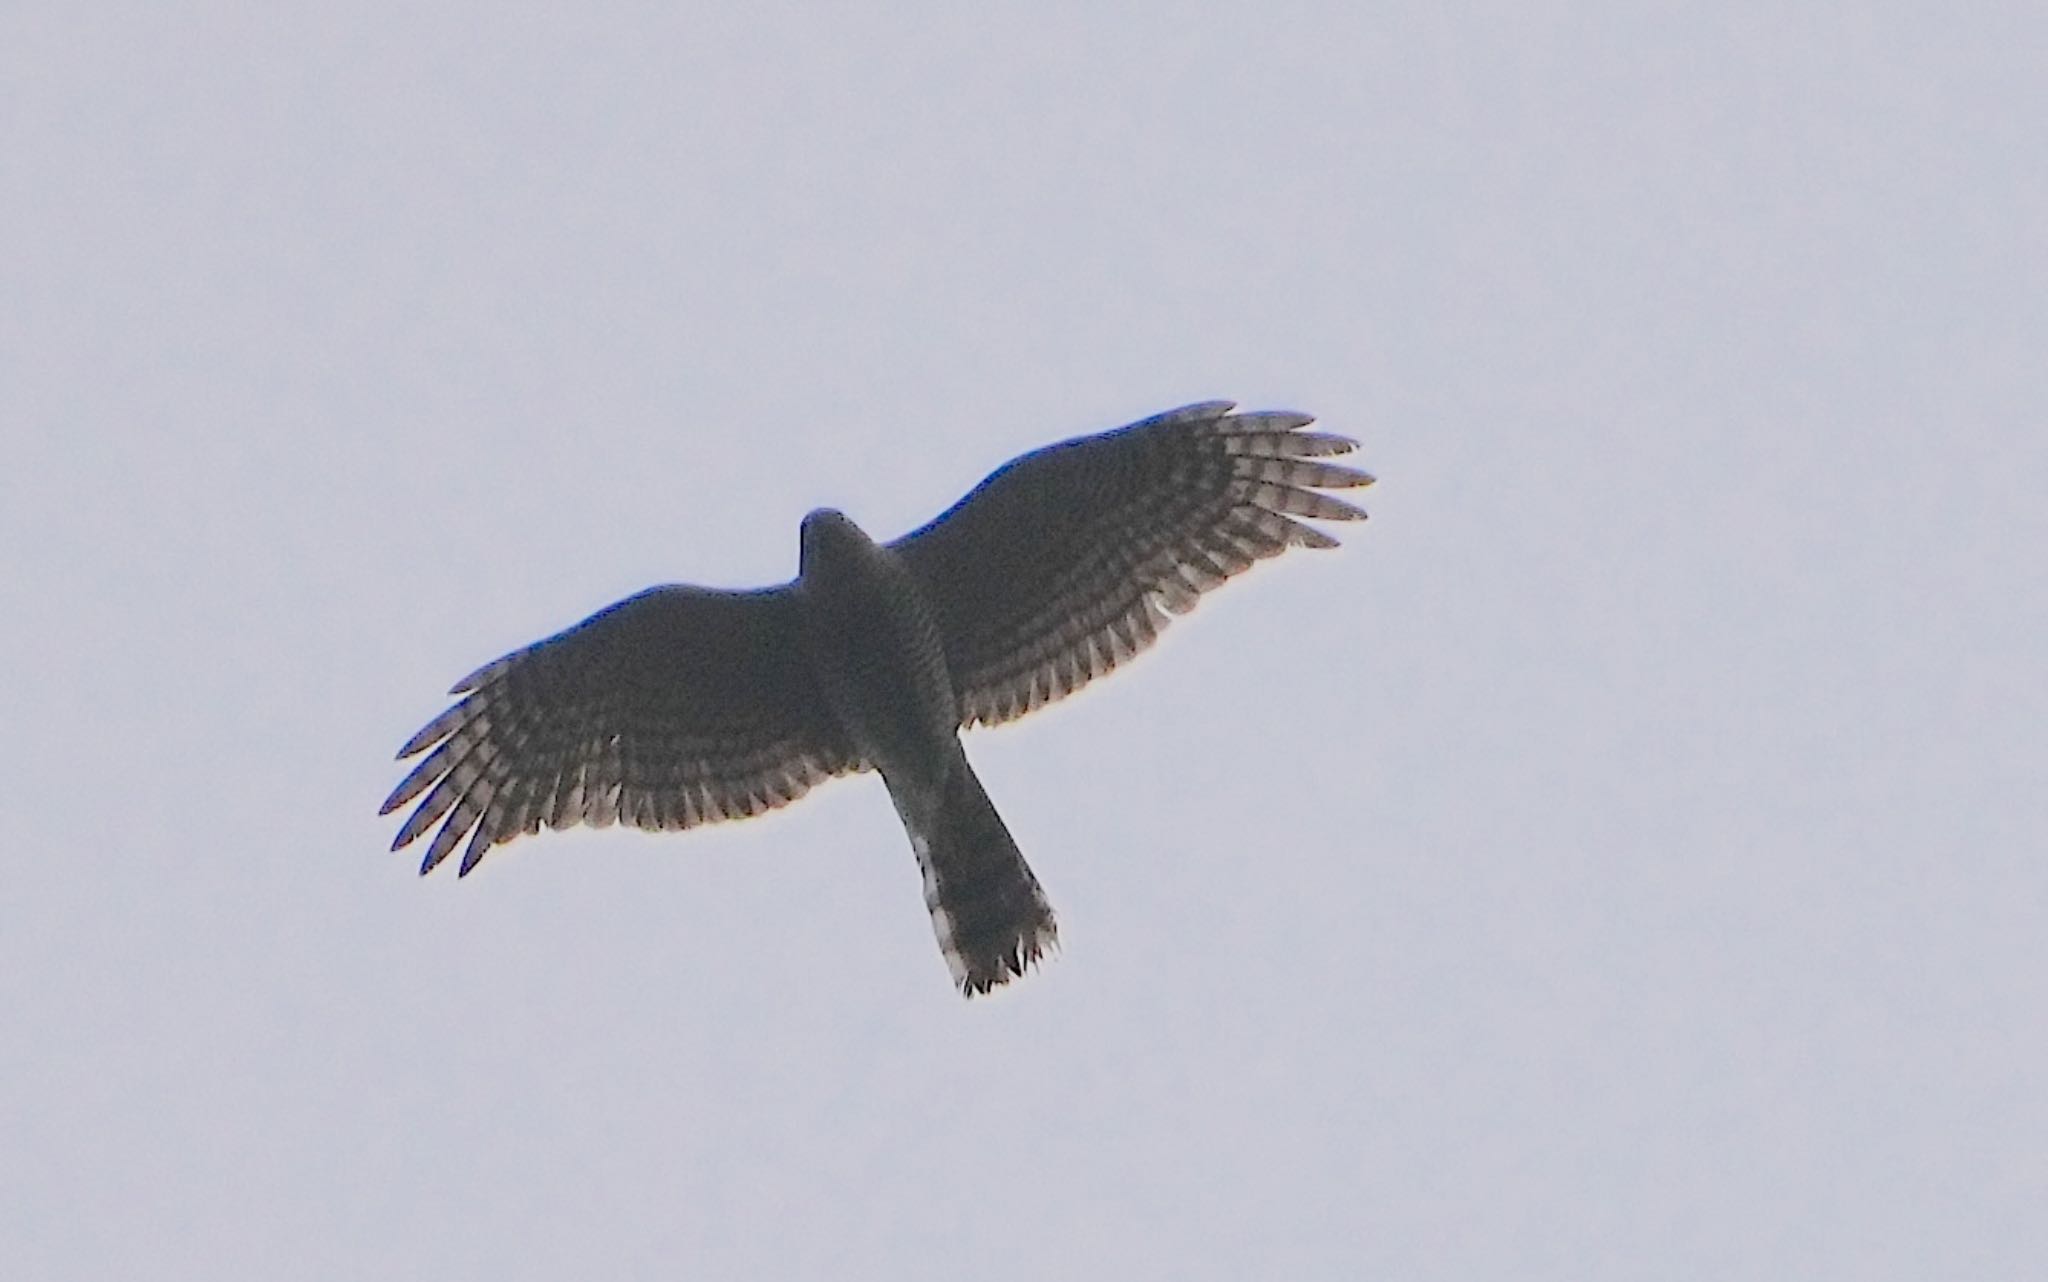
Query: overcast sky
{"points": [[1622, 859]]}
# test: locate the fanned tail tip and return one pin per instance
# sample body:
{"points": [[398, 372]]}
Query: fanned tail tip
{"points": [[991, 917]]}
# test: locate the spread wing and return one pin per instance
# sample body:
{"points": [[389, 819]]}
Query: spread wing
{"points": [[672, 708], [1066, 561]]}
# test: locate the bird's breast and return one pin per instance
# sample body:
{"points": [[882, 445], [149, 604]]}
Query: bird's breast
{"points": [[876, 649]]}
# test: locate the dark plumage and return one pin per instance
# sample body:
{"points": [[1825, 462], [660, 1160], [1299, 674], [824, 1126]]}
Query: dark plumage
{"points": [[684, 705]]}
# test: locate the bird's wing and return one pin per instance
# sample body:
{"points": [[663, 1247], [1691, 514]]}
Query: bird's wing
{"points": [[672, 708], [1065, 562]]}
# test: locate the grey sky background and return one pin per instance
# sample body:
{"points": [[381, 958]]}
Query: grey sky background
{"points": [[1623, 859]]}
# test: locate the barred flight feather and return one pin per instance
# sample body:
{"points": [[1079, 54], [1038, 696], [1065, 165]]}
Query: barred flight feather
{"points": [[1118, 532], [591, 727]]}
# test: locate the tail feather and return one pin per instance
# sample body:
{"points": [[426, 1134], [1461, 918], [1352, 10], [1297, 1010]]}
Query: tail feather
{"points": [[991, 918]]}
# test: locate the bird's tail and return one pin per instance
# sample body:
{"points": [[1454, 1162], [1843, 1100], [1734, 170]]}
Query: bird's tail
{"points": [[991, 918]]}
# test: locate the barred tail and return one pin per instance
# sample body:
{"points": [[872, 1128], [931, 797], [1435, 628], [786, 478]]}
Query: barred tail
{"points": [[987, 909]]}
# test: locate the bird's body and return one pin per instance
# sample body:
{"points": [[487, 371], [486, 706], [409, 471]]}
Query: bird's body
{"points": [[876, 648], [881, 664], [683, 705]]}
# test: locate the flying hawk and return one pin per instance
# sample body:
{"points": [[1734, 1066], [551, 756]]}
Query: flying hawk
{"points": [[684, 705]]}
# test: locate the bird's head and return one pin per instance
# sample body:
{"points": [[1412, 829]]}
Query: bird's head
{"points": [[829, 537]]}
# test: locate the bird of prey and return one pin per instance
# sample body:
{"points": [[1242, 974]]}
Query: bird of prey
{"points": [[684, 705]]}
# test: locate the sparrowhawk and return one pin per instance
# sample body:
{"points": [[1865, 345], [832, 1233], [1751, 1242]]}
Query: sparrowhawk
{"points": [[683, 705]]}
